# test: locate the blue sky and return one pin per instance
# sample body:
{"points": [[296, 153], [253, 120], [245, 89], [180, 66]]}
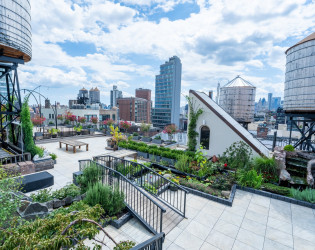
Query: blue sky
{"points": [[104, 43]]}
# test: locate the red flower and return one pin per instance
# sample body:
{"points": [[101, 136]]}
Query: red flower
{"points": [[225, 165]]}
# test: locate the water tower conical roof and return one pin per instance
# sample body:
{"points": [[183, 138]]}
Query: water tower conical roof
{"points": [[238, 82]]}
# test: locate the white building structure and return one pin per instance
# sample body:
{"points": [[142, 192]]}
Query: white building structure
{"points": [[218, 130]]}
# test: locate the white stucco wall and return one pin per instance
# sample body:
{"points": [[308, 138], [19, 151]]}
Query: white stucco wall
{"points": [[221, 135]]}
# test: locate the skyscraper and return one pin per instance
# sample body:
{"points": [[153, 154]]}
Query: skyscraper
{"points": [[145, 94], [167, 93], [114, 95], [269, 101], [94, 95]]}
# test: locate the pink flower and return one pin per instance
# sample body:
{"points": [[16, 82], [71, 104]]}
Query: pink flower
{"points": [[225, 165]]}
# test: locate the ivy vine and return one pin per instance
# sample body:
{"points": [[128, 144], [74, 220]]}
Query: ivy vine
{"points": [[193, 118]]}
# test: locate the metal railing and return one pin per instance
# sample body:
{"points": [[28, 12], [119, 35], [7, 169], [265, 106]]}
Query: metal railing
{"points": [[15, 158], [167, 191], [138, 202], [155, 243]]}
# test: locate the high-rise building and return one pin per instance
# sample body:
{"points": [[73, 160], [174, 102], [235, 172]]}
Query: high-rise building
{"points": [[83, 96], [133, 109], [145, 94], [275, 103], [47, 104], [269, 101], [94, 96], [114, 95], [167, 93]]}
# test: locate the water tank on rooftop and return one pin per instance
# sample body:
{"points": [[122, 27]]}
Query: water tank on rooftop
{"points": [[237, 98], [15, 29], [299, 87]]}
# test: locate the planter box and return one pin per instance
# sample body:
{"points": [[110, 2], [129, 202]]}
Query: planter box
{"points": [[38, 135], [91, 131], [75, 175], [122, 220], [154, 157], [157, 141], [137, 138], [142, 154], [146, 139], [170, 161]]}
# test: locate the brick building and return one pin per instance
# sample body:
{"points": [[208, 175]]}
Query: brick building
{"points": [[133, 109], [145, 94]]}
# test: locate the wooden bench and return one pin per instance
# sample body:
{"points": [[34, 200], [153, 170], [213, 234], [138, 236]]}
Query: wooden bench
{"points": [[73, 144]]}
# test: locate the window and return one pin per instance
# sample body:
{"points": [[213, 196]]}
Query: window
{"points": [[205, 137]]}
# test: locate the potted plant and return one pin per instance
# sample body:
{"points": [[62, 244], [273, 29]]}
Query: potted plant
{"points": [[125, 125], [135, 136], [108, 122], [78, 129], [53, 132], [173, 187], [116, 137], [145, 128], [157, 139], [54, 157], [154, 154], [170, 130], [143, 152]]}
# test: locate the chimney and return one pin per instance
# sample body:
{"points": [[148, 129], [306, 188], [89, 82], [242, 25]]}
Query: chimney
{"points": [[210, 94]]}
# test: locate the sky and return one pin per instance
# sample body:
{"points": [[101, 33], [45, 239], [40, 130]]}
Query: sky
{"points": [[98, 43]]}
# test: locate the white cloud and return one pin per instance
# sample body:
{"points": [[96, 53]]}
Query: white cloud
{"points": [[224, 39]]}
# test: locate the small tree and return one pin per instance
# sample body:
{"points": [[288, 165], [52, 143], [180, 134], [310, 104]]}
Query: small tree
{"points": [[125, 125], [145, 128], [170, 130], [94, 120], [81, 119], [37, 121], [27, 128]]}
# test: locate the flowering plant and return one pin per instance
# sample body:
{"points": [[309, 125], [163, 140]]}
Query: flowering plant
{"points": [[94, 120], [38, 120], [81, 119], [69, 116], [108, 122], [170, 129], [125, 125], [60, 117]]}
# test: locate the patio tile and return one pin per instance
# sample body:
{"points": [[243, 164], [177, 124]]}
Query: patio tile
{"points": [[199, 230], [241, 203], [251, 239], [215, 204], [254, 227], [280, 215], [226, 228], [213, 211], [188, 241], [205, 219], [236, 209], [172, 235], [272, 245], [258, 209], [304, 234], [302, 244], [262, 219], [280, 237], [238, 245], [191, 212], [232, 218], [173, 246], [167, 243], [261, 200], [207, 246], [196, 203], [184, 223], [220, 240], [280, 225]]}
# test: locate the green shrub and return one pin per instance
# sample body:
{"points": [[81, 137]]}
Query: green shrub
{"points": [[69, 190], [42, 195], [289, 148], [111, 200], [238, 155], [91, 174], [135, 134], [276, 189], [249, 178], [305, 195], [124, 245], [267, 167], [143, 149], [154, 151], [182, 164], [53, 156], [158, 137], [150, 188]]}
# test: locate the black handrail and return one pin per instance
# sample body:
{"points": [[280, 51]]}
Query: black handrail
{"points": [[155, 243], [154, 183], [148, 211]]}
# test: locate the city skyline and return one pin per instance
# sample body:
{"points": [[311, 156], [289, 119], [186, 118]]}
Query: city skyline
{"points": [[123, 43]]}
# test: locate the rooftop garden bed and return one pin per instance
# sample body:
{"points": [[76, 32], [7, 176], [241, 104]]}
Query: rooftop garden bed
{"points": [[81, 212]]}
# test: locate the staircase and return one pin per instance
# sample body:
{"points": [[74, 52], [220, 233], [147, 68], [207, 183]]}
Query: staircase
{"points": [[147, 194]]}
